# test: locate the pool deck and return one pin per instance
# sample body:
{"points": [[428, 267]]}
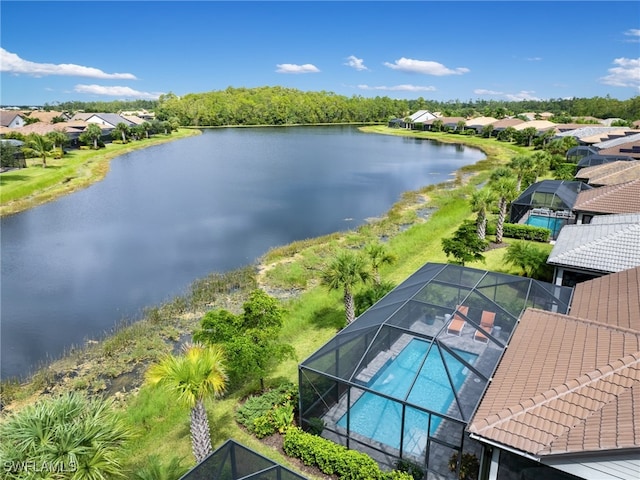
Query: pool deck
{"points": [[468, 396]]}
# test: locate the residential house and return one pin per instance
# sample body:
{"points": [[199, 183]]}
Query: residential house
{"points": [[596, 159], [611, 173], [564, 402], [108, 121], [448, 123], [621, 198], [479, 123], [608, 244], [11, 119], [540, 125], [505, 123], [592, 134], [48, 116]]}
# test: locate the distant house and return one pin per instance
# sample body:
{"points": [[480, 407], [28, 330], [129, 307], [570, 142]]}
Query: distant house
{"points": [[11, 119], [608, 244], [49, 116], [564, 402], [611, 173], [448, 123], [505, 123], [613, 199], [592, 134], [108, 120], [539, 125], [479, 123]]}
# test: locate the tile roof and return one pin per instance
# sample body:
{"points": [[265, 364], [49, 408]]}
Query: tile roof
{"points": [[630, 149], [537, 124], [620, 198], [608, 248], [564, 385], [612, 299], [594, 133], [618, 141], [611, 173], [507, 122], [481, 121]]}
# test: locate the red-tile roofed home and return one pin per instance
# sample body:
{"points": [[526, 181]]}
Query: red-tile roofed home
{"points": [[612, 199], [566, 393]]}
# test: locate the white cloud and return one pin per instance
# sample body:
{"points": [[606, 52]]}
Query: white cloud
{"points": [[534, 59], [12, 63], [516, 97], [522, 95], [355, 62], [122, 92], [399, 88], [633, 32], [292, 68], [424, 67], [482, 91], [625, 74]]}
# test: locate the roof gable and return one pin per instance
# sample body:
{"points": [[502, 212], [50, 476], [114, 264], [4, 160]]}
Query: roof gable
{"points": [[619, 198], [611, 173], [610, 247], [577, 391]]}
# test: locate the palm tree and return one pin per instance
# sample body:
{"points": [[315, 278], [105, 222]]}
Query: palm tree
{"points": [[92, 134], [379, 255], [505, 189], [197, 374], [40, 146], [121, 130], [154, 469], [346, 271], [521, 165], [58, 138], [481, 200], [70, 435]]}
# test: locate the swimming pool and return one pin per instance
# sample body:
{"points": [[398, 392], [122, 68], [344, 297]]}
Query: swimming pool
{"points": [[380, 419], [552, 223]]}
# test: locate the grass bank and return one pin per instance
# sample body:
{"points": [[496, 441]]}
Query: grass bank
{"points": [[29, 187], [413, 229]]}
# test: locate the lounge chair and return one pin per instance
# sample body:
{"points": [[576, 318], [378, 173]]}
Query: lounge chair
{"points": [[457, 322], [486, 325]]}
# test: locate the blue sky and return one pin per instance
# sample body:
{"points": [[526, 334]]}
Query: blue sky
{"points": [[443, 50]]}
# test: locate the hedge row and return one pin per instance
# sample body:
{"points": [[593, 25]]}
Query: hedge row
{"points": [[334, 459], [521, 231]]}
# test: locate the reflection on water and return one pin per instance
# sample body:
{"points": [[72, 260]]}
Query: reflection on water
{"points": [[169, 214]]}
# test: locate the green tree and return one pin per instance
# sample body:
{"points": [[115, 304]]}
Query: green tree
{"points": [[464, 245], [91, 134], [59, 139], [379, 255], [347, 270], [505, 189], [521, 165], [190, 378], [531, 260], [11, 156], [77, 437], [481, 200], [39, 146], [250, 340], [122, 131]]}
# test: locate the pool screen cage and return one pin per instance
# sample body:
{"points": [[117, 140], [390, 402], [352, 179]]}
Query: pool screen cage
{"points": [[233, 461], [550, 195], [403, 380]]}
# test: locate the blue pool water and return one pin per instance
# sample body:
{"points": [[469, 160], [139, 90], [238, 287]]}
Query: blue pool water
{"points": [[553, 224], [380, 419]]}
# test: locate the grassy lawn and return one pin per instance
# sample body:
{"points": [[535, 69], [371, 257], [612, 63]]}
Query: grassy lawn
{"points": [[28, 187], [312, 314]]}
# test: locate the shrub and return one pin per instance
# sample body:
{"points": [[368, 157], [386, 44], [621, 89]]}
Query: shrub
{"points": [[414, 471], [271, 412], [526, 232]]}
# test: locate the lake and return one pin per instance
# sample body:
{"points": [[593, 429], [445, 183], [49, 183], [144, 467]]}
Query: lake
{"points": [[167, 215]]}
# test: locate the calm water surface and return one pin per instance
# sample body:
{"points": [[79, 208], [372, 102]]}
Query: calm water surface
{"points": [[167, 215]]}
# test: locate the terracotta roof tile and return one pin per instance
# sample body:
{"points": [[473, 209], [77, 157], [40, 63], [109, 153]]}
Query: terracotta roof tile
{"points": [[618, 198], [576, 410]]}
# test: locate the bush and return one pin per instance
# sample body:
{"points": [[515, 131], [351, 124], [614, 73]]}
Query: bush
{"points": [[329, 457], [526, 232], [414, 471], [271, 412]]}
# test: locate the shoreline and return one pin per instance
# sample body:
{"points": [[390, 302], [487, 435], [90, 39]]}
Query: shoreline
{"points": [[95, 366], [92, 171]]}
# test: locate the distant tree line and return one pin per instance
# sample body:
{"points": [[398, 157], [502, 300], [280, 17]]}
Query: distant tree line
{"points": [[288, 106]]}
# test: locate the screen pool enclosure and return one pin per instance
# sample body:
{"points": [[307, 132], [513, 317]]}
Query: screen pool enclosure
{"points": [[403, 380]]}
